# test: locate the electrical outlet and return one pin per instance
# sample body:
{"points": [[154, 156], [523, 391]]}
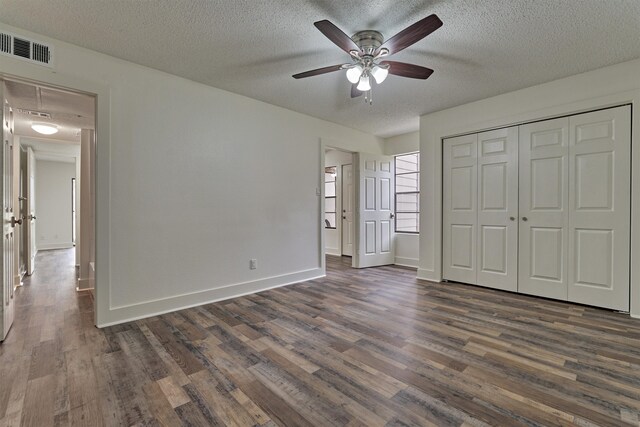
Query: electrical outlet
{"points": [[253, 264]]}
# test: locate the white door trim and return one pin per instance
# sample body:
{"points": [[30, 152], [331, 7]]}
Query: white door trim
{"points": [[14, 69], [344, 214], [328, 144]]}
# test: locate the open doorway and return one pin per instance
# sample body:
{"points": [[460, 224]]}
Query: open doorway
{"points": [[52, 147], [358, 207], [339, 202]]}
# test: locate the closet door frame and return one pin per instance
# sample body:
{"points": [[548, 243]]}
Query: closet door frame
{"points": [[631, 177]]}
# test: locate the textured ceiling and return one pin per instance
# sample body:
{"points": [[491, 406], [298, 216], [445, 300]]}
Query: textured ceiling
{"points": [[69, 111], [251, 47]]}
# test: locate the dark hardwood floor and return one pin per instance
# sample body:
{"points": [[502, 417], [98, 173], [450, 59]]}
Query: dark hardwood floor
{"points": [[359, 348]]}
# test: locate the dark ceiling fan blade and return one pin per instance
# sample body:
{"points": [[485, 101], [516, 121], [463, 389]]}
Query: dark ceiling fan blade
{"points": [[354, 91], [412, 34], [408, 70], [318, 71], [336, 35]]}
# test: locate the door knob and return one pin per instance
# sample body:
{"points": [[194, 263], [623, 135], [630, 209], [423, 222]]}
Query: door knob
{"points": [[391, 215], [524, 218], [344, 217], [512, 218], [31, 216], [15, 221]]}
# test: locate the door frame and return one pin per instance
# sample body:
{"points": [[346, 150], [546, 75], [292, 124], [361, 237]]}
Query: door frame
{"points": [[353, 202], [13, 69], [324, 146]]}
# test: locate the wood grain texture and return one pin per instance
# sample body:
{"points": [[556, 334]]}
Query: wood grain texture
{"points": [[366, 347]]}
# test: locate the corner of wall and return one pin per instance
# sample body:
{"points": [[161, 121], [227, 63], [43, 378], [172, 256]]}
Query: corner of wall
{"points": [[402, 144]]}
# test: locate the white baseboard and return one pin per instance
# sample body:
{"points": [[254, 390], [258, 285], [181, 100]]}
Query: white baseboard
{"points": [[49, 246], [406, 262], [85, 283], [428, 275], [333, 251], [128, 313]]}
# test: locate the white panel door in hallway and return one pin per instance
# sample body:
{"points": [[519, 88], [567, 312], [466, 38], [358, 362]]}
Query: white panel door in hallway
{"points": [[544, 220], [348, 199], [459, 204], [376, 232], [497, 250], [9, 221], [599, 207], [30, 249]]}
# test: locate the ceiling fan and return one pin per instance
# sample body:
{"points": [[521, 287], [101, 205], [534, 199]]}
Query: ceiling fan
{"points": [[367, 48]]}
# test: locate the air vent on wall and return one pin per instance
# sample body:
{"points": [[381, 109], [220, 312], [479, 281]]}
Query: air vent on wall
{"points": [[28, 50], [40, 114]]}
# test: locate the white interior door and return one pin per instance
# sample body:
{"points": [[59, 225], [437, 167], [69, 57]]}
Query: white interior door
{"points": [[543, 203], [376, 232], [31, 212], [599, 207], [460, 215], [8, 247], [497, 251], [348, 199]]}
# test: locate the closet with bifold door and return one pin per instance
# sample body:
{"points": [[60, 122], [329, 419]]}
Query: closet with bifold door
{"points": [[542, 208]]}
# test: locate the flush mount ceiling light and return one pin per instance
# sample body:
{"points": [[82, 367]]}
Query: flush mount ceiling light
{"points": [[45, 128], [367, 48]]}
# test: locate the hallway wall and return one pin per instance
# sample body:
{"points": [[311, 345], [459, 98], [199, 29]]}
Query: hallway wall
{"points": [[53, 204]]}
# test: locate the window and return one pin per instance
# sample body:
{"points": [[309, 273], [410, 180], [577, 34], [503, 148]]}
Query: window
{"points": [[330, 197], [408, 193]]}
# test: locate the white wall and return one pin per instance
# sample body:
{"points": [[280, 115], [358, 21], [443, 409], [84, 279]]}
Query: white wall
{"points": [[332, 240], [601, 88], [192, 182], [53, 202], [407, 245], [402, 144]]}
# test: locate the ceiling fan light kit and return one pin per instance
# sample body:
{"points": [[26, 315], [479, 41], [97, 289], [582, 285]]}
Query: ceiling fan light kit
{"points": [[354, 73], [367, 48]]}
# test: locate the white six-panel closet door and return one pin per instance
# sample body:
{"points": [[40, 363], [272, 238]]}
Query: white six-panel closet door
{"points": [[599, 208], [497, 250], [460, 215], [543, 200]]}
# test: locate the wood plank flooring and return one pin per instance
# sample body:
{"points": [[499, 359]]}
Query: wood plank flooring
{"points": [[367, 347]]}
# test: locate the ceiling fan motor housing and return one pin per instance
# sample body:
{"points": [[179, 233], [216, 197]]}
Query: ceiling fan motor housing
{"points": [[368, 41]]}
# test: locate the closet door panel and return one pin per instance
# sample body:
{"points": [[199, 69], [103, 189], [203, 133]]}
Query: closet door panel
{"points": [[460, 208], [543, 208], [498, 209], [599, 204]]}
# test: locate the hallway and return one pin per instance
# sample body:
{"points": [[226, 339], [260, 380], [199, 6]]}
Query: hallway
{"points": [[44, 360]]}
